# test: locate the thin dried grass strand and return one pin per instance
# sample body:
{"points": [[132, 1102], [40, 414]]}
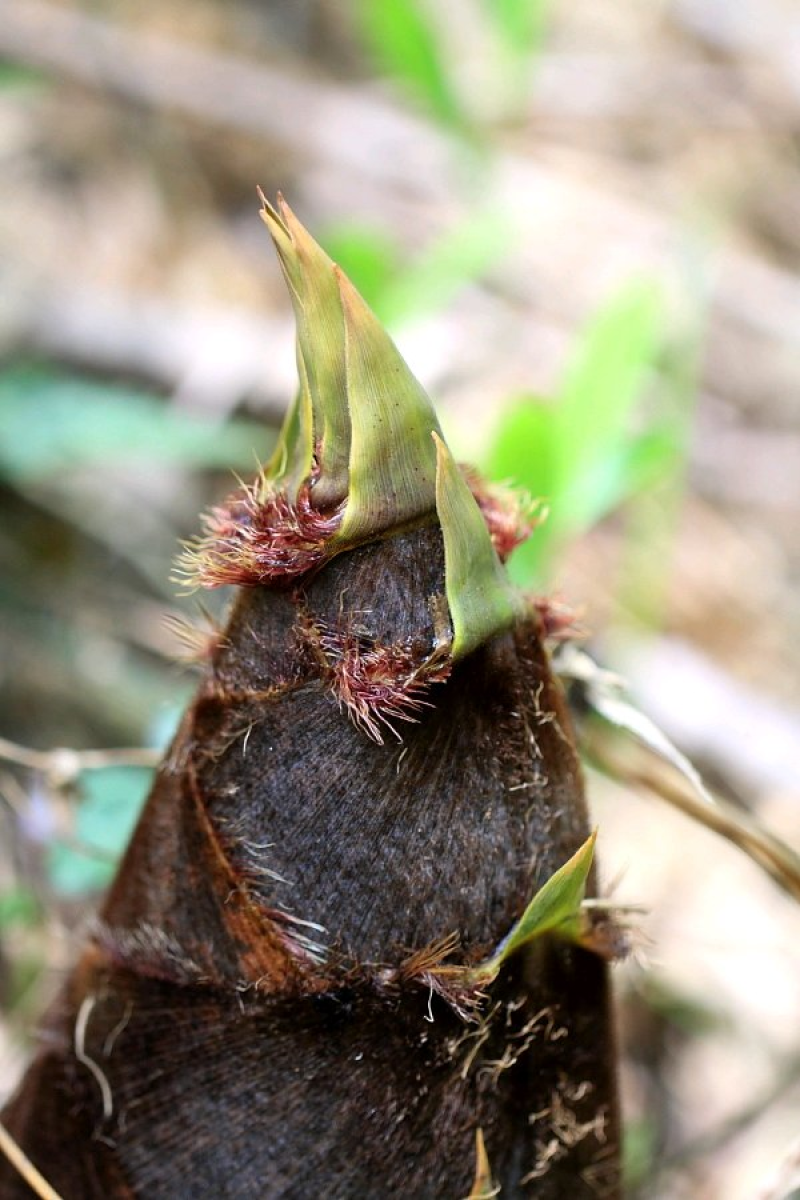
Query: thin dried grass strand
{"points": [[765, 849], [21, 1163]]}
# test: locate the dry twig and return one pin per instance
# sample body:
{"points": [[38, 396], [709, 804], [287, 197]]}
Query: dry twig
{"points": [[20, 1161]]}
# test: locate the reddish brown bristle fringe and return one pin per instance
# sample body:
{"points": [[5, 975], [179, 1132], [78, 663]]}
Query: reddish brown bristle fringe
{"points": [[259, 537]]}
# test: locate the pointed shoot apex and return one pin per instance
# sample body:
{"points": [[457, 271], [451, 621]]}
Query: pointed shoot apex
{"points": [[362, 450], [309, 275]]}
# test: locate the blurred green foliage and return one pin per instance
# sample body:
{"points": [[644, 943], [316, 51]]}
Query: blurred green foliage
{"points": [[414, 44], [55, 421], [401, 290], [17, 76], [405, 43], [639, 1146], [369, 257], [18, 907], [108, 805], [597, 442], [521, 23]]}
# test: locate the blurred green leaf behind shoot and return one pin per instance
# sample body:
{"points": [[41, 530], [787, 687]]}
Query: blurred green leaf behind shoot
{"points": [[400, 291], [611, 430], [52, 421], [405, 44], [413, 44]]}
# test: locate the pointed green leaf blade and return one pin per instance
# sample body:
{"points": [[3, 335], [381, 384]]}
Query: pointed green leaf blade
{"points": [[290, 464], [555, 907], [481, 600], [320, 335], [392, 457]]}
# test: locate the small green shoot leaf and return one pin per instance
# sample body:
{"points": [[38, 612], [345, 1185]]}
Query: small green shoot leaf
{"points": [[481, 600], [556, 908]]}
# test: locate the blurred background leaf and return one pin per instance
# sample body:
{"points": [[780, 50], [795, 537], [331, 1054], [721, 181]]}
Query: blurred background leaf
{"points": [[405, 44], [18, 907], [400, 291], [51, 421], [520, 22], [109, 803], [599, 440], [368, 257]]}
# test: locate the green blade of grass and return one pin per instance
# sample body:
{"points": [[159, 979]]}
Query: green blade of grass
{"points": [[463, 254], [523, 455], [600, 390], [520, 23], [581, 452], [404, 42]]}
